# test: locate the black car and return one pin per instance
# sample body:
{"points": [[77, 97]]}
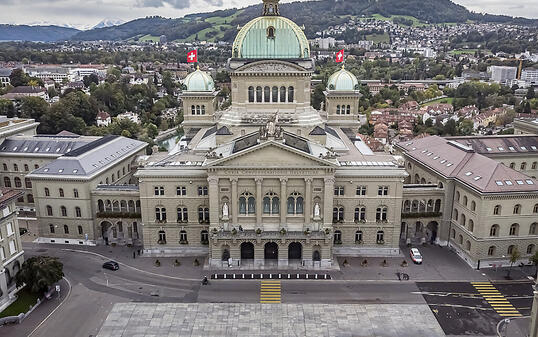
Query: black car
{"points": [[112, 265]]}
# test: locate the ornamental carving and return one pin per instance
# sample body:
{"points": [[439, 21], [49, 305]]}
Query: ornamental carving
{"points": [[270, 68]]}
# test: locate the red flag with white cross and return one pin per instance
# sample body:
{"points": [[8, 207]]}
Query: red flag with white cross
{"points": [[340, 56], [192, 56]]}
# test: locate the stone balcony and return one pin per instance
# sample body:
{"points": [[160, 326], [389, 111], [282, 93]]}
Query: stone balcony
{"points": [[288, 235]]}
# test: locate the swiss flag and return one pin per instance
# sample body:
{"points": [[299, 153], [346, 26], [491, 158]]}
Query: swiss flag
{"points": [[192, 56], [340, 56]]}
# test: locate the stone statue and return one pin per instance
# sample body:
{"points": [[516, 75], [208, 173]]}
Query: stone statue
{"points": [[317, 211], [322, 108], [225, 211], [271, 126]]}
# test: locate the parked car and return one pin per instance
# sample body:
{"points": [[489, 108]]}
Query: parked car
{"points": [[112, 265], [415, 255]]}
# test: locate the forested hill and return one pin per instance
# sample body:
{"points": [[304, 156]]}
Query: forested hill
{"points": [[314, 15], [35, 33]]}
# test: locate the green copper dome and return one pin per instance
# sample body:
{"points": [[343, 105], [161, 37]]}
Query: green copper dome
{"points": [[343, 80], [271, 37], [199, 81]]}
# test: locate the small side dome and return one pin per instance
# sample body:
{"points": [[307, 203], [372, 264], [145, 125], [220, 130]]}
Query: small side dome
{"points": [[343, 80], [199, 81]]}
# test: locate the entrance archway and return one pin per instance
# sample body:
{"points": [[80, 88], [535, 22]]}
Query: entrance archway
{"points": [[105, 229], [432, 230], [247, 251], [271, 251], [295, 251], [225, 253]]}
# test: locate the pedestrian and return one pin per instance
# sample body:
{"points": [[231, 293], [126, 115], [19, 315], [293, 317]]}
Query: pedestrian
{"points": [[134, 254]]}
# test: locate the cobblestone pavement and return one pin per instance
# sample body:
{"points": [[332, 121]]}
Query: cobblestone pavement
{"points": [[217, 319]]}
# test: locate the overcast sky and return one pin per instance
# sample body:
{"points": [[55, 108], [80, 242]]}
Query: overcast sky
{"points": [[86, 13]]}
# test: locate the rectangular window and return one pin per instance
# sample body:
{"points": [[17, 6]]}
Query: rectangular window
{"points": [[12, 248], [2, 254], [383, 190], [339, 190], [10, 230], [202, 190], [361, 190], [181, 190], [159, 190]]}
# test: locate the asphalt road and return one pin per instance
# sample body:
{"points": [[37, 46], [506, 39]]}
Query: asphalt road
{"points": [[457, 306]]}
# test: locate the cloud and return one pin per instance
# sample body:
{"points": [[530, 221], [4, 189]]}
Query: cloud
{"points": [[177, 4]]}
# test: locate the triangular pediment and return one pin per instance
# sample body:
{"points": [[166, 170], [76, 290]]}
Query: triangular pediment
{"points": [[271, 154]]}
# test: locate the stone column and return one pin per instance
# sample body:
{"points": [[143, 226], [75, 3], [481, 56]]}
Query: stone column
{"points": [[259, 209], [214, 207], [328, 202], [234, 206], [283, 198], [308, 201]]}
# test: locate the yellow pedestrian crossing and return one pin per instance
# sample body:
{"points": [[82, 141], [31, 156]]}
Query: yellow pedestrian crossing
{"points": [[270, 291], [497, 300]]}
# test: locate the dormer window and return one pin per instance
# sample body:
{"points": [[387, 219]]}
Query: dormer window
{"points": [[271, 32]]}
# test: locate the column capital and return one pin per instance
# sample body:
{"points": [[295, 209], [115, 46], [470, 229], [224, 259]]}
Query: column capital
{"points": [[234, 180], [329, 180], [283, 180], [308, 180], [213, 180], [258, 180]]}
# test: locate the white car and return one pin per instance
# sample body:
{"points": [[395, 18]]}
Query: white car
{"points": [[415, 255]]}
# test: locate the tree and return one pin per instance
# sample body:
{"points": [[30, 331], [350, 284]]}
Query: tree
{"points": [[88, 80], [18, 78], [514, 256], [466, 127], [534, 260], [7, 108], [530, 93], [318, 96], [39, 273], [33, 107]]}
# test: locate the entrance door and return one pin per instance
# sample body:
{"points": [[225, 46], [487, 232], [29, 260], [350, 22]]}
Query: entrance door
{"points": [[247, 251], [271, 251], [295, 251]]}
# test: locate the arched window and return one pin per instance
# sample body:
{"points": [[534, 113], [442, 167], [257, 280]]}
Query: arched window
{"points": [[463, 220], [338, 214], [473, 206], [338, 109], [512, 165], [66, 229], [182, 214], [160, 214], [251, 94], [295, 204], [47, 192], [417, 179], [266, 94], [337, 237], [63, 210], [27, 183], [18, 182], [61, 192], [358, 236], [203, 113], [531, 249], [460, 239], [429, 206], [414, 206], [456, 214], [491, 251], [494, 230], [381, 213], [380, 237], [7, 182], [259, 94], [5, 166], [274, 93], [162, 237], [437, 205], [271, 204], [523, 166], [51, 228], [204, 237], [271, 32], [514, 229], [183, 237], [517, 209], [511, 249], [407, 206], [197, 112], [80, 231], [457, 197], [290, 94], [497, 210], [78, 212], [26, 168], [123, 206], [471, 225], [203, 214], [535, 208], [282, 94], [360, 214], [49, 210], [532, 228], [30, 198], [464, 200], [348, 110], [467, 245], [15, 167], [453, 233], [193, 109]]}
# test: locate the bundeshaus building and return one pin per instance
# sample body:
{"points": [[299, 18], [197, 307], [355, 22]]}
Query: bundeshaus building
{"points": [[271, 179]]}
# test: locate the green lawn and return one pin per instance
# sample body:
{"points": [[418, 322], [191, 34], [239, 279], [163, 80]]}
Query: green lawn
{"points": [[416, 22], [149, 38], [25, 299], [448, 100], [379, 38]]}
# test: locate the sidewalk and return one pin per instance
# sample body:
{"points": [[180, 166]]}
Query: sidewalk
{"points": [[515, 327]]}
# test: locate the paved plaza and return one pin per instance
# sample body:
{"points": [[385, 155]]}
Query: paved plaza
{"points": [[215, 319]]}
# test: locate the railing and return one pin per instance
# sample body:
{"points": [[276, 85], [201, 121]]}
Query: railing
{"points": [[288, 235], [421, 215], [126, 215]]}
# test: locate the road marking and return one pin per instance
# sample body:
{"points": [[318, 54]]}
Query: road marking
{"points": [[53, 311], [270, 292], [496, 300]]}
